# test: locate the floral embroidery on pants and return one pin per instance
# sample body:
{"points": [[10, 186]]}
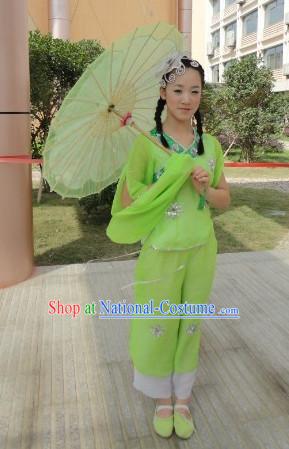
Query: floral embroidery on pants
{"points": [[157, 331], [191, 328]]}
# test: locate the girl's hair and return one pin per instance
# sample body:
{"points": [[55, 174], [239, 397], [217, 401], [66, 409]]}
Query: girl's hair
{"points": [[161, 104]]}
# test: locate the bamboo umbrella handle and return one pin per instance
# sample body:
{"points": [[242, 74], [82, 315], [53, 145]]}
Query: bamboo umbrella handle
{"points": [[155, 141], [133, 125]]}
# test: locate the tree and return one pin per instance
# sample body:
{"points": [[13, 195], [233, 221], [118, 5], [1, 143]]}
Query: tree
{"points": [[55, 66], [245, 107]]}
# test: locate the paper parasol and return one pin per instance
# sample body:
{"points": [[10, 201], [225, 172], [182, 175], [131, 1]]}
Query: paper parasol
{"points": [[113, 101]]}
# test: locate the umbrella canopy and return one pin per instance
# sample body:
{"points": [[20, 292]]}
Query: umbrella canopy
{"points": [[90, 137]]}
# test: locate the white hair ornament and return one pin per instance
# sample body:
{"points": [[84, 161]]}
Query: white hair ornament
{"points": [[174, 61]]}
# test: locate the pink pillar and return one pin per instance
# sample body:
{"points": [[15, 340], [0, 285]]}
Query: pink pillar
{"points": [[185, 22], [16, 241]]}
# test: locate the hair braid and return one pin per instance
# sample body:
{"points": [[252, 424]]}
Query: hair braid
{"points": [[200, 131], [159, 125]]}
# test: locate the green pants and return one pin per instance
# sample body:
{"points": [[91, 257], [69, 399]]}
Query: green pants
{"points": [[157, 346]]}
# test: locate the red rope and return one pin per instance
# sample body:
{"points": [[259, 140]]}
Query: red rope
{"points": [[125, 119], [19, 159], [25, 159], [257, 164]]}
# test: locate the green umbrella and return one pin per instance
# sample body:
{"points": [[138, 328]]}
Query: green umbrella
{"points": [[115, 99]]}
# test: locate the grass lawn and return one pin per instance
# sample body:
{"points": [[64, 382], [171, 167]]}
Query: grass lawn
{"points": [[62, 235], [260, 156], [256, 220], [257, 172]]}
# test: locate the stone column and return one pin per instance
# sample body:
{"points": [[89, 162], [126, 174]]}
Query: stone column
{"points": [[16, 241], [185, 22], [59, 20]]}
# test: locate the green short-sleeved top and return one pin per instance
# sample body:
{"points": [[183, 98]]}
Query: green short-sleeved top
{"points": [[166, 216]]}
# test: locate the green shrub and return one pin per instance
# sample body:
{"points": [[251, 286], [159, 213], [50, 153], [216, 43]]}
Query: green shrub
{"points": [[96, 207]]}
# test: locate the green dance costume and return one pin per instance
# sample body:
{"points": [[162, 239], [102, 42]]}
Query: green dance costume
{"points": [[178, 255]]}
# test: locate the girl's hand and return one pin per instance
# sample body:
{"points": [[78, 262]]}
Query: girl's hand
{"points": [[200, 180]]}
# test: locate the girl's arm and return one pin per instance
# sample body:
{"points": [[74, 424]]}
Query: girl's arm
{"points": [[126, 199], [134, 182], [219, 197]]}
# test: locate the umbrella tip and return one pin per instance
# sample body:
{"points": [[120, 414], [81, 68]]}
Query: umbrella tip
{"points": [[110, 107]]}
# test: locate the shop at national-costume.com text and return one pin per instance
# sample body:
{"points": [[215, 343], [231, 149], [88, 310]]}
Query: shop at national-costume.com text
{"points": [[164, 309]]}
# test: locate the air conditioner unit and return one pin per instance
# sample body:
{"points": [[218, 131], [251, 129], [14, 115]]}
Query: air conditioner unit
{"points": [[231, 39], [240, 2], [286, 69], [210, 49], [286, 18]]}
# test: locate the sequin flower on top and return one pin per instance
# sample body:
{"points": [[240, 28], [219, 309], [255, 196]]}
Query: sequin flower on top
{"points": [[191, 329], [157, 174], [193, 152], [212, 164], [157, 331], [174, 210], [176, 148]]}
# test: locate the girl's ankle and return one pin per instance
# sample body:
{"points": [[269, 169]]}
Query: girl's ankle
{"points": [[166, 401], [186, 401]]}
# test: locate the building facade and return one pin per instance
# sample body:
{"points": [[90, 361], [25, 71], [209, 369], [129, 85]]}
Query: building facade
{"points": [[106, 20], [235, 29], [217, 31]]}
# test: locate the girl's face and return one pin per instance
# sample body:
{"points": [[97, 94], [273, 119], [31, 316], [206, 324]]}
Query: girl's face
{"points": [[184, 95]]}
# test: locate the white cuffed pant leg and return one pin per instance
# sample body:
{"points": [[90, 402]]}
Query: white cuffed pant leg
{"points": [[164, 387], [154, 387], [183, 384]]}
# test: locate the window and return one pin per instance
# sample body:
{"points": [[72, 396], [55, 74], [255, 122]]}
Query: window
{"points": [[229, 2], [216, 7], [274, 12], [250, 54], [250, 23], [216, 39], [273, 57], [228, 63], [231, 27], [215, 73]]}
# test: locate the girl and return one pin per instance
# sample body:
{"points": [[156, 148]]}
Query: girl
{"points": [[159, 201]]}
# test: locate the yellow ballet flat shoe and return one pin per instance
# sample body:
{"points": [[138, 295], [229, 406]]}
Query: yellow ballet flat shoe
{"points": [[163, 426], [184, 427]]}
